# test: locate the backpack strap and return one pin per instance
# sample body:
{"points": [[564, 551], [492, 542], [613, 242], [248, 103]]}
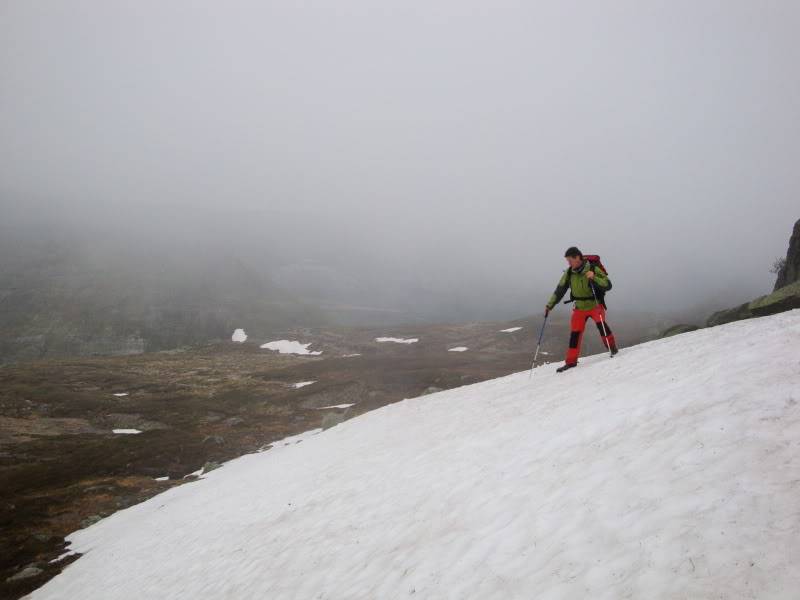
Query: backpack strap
{"points": [[599, 292]]}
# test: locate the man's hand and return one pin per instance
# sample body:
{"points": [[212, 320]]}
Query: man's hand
{"points": [[590, 275]]}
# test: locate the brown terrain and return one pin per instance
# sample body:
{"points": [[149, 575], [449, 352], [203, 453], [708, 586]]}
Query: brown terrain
{"points": [[63, 468]]}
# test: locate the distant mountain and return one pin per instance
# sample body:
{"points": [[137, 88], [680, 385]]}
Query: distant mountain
{"points": [[67, 296]]}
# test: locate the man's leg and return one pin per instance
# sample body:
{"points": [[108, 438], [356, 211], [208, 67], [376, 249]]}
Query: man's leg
{"points": [[599, 315], [577, 326]]}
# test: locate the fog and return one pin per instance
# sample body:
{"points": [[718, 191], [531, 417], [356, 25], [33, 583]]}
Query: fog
{"points": [[387, 153]]}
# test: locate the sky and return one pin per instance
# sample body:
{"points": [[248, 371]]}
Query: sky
{"points": [[455, 148]]}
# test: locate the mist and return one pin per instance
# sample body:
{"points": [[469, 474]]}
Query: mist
{"points": [[417, 160]]}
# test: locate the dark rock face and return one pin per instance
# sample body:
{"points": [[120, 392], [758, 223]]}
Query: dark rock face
{"points": [[791, 269]]}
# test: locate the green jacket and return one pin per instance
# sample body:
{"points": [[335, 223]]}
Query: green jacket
{"points": [[580, 286]]}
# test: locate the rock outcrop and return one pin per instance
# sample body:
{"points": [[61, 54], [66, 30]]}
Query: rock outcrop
{"points": [[785, 296], [790, 272]]}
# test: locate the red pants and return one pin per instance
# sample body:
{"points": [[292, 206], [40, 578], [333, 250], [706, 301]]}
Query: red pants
{"points": [[578, 324]]}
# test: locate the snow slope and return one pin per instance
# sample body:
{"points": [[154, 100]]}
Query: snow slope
{"points": [[670, 471]]}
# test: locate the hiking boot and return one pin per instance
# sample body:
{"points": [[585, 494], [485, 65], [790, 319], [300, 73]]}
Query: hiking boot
{"points": [[614, 349], [565, 367]]}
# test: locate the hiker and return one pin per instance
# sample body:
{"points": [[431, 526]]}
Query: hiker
{"points": [[580, 278]]}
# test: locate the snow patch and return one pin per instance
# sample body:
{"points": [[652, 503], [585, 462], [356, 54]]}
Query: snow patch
{"points": [[197, 473], [336, 406], [239, 336], [63, 556], [458, 349], [350, 355], [301, 384], [165, 478], [510, 330], [397, 340], [290, 347], [121, 394], [127, 431]]}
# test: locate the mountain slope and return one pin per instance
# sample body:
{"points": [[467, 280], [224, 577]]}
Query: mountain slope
{"points": [[671, 471]]}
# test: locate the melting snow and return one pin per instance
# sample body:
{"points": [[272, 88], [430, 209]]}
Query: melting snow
{"points": [[290, 347], [510, 330], [197, 473], [458, 349], [336, 406], [301, 384], [127, 431], [239, 336], [63, 556], [121, 394], [397, 340]]}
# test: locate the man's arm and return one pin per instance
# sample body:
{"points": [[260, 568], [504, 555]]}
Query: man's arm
{"points": [[561, 289]]}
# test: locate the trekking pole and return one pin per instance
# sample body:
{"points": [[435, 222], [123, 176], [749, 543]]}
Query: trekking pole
{"points": [[538, 344], [602, 322]]}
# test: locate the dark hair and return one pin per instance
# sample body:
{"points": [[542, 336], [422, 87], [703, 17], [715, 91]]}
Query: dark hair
{"points": [[573, 251]]}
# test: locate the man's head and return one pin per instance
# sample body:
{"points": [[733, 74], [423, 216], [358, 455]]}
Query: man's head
{"points": [[574, 257]]}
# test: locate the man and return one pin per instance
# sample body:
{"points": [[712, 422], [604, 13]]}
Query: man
{"points": [[580, 277]]}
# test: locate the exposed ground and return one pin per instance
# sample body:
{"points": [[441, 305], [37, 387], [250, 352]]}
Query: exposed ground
{"points": [[62, 467]]}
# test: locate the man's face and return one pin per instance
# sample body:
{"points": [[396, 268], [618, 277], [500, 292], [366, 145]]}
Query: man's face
{"points": [[574, 261]]}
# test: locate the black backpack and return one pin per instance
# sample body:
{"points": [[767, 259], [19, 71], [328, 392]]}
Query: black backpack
{"points": [[600, 293]]}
